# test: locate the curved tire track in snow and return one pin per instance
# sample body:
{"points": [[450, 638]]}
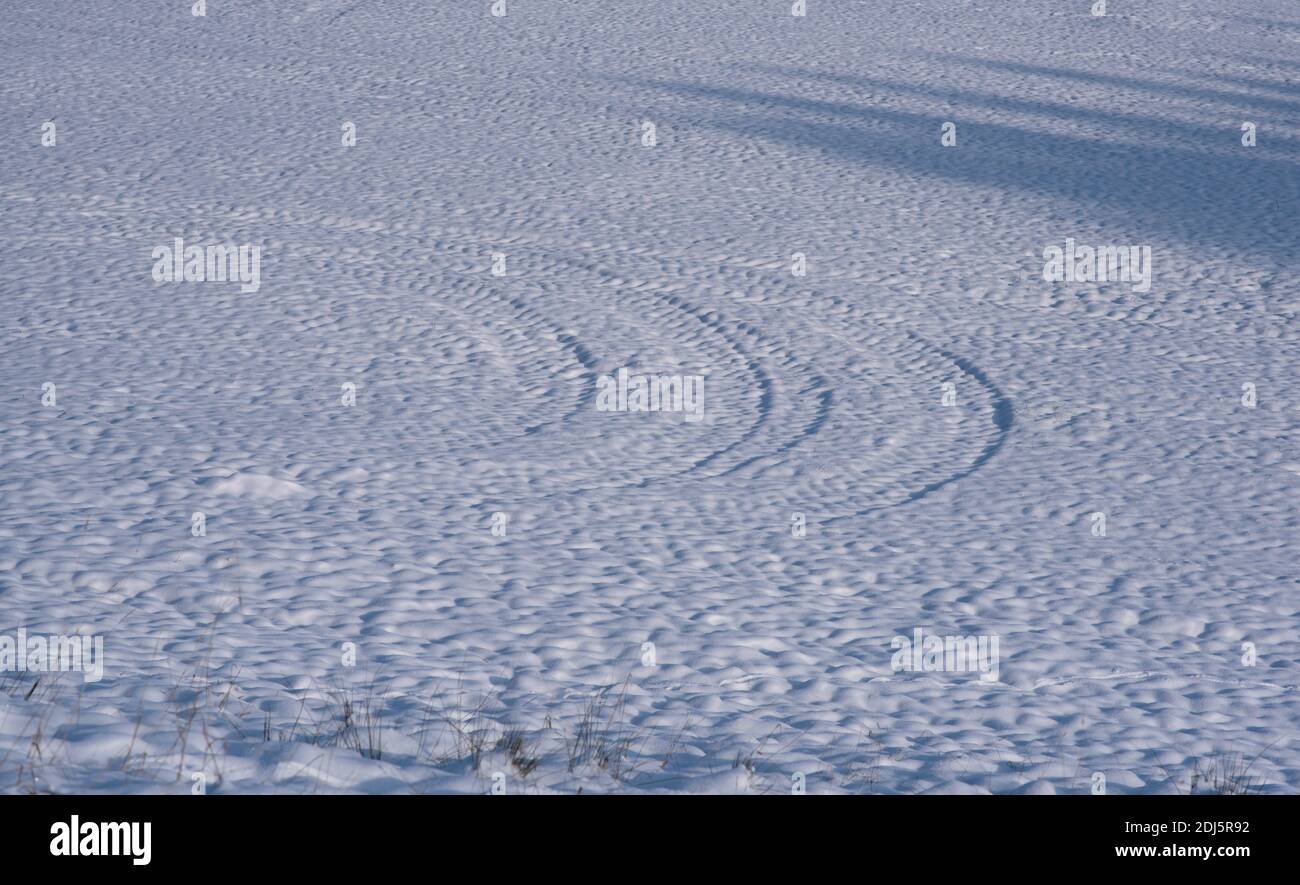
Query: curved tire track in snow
{"points": [[792, 406]]}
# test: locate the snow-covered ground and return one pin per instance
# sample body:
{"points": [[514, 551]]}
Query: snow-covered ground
{"points": [[473, 577]]}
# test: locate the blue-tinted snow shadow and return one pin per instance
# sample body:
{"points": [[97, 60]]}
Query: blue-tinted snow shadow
{"points": [[1157, 176]]}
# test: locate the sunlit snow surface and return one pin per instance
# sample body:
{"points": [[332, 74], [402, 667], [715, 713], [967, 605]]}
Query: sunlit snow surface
{"points": [[650, 621]]}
